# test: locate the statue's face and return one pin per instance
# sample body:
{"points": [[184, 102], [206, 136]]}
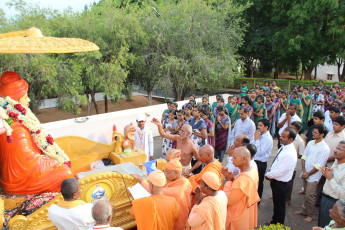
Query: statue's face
{"points": [[130, 132], [25, 100]]}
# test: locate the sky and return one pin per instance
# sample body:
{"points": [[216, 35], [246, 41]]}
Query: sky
{"points": [[77, 5]]}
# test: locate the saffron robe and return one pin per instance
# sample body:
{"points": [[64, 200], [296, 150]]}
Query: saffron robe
{"points": [[158, 212], [24, 170], [210, 214], [243, 199], [195, 180], [179, 189], [214, 167]]}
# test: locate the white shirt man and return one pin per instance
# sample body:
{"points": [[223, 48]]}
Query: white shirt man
{"points": [[143, 137], [71, 213], [281, 173], [71, 217], [315, 156], [292, 119], [284, 164], [330, 115], [299, 145], [243, 126], [264, 143]]}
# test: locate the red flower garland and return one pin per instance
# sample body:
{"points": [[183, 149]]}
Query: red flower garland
{"points": [[20, 108], [68, 164], [50, 139], [9, 139], [13, 115]]}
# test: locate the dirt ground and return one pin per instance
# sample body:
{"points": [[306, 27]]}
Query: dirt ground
{"points": [[53, 114]]}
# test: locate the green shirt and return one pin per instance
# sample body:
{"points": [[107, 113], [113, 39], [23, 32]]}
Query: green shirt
{"points": [[243, 91]]}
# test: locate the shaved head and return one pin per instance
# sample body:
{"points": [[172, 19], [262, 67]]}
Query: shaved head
{"points": [[244, 152], [206, 154], [208, 149], [241, 158]]}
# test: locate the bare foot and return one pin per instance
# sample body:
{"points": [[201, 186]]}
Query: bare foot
{"points": [[308, 219], [298, 213], [301, 192]]}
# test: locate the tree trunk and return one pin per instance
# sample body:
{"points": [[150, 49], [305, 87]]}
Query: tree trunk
{"points": [[342, 76], [105, 104], [307, 72], [315, 76], [183, 93], [94, 101], [276, 69], [149, 96]]}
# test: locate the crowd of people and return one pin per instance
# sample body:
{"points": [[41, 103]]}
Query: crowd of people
{"points": [[198, 191]]}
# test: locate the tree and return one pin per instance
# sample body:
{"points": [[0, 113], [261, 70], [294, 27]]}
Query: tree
{"points": [[190, 45]]}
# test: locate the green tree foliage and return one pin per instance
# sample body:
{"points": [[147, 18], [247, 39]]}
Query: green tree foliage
{"points": [[287, 34], [188, 45]]}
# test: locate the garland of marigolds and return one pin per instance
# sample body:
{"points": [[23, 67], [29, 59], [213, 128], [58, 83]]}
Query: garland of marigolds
{"points": [[13, 110]]}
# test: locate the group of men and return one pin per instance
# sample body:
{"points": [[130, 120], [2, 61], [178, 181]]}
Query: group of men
{"points": [[180, 199]]}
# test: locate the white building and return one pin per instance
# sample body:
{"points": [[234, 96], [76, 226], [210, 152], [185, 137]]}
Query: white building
{"points": [[327, 73]]}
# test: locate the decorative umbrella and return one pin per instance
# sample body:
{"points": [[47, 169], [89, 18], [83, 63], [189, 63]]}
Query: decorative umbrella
{"points": [[31, 41]]}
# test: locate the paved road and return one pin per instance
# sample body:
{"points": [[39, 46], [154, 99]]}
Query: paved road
{"points": [[265, 210]]}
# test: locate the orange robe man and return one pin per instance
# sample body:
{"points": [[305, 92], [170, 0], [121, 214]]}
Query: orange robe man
{"points": [[157, 212], [242, 193], [209, 213], [177, 187], [23, 168], [206, 154]]}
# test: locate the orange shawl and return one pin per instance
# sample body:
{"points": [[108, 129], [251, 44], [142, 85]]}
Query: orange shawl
{"points": [[211, 210], [214, 166]]}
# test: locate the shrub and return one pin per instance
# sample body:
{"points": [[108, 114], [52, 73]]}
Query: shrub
{"points": [[273, 227]]}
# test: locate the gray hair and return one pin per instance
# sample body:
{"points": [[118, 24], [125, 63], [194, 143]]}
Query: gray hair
{"points": [[101, 210], [189, 129], [341, 206]]}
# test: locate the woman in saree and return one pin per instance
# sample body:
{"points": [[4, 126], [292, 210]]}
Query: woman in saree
{"points": [[270, 113], [247, 103], [259, 109], [223, 124], [297, 101], [253, 95], [284, 102], [233, 107], [205, 115], [307, 107], [276, 101]]}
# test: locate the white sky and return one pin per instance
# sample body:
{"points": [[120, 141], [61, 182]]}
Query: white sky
{"points": [[77, 5]]}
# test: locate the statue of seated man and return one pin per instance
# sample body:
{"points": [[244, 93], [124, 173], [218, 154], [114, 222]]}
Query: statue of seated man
{"points": [[30, 161], [129, 142]]}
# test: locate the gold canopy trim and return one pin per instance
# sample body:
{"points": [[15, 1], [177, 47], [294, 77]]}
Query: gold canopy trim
{"points": [[31, 41]]}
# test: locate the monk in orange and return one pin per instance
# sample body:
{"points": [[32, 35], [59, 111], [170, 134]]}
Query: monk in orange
{"points": [[178, 187], [209, 211], [24, 169], [206, 154], [157, 212], [242, 193]]}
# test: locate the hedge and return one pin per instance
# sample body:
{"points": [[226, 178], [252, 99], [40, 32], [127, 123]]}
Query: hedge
{"points": [[281, 83]]}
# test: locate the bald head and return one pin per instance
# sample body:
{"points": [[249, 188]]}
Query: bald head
{"points": [[244, 152], [173, 153], [241, 158], [102, 211], [206, 154], [241, 140]]}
